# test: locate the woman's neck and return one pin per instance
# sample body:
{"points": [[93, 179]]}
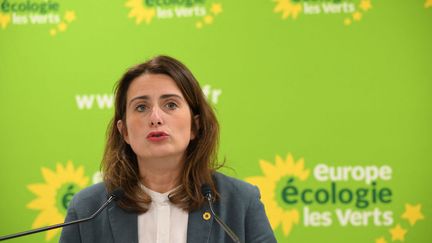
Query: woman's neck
{"points": [[160, 175]]}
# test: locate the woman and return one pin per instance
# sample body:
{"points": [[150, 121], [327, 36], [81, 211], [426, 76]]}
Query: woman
{"points": [[161, 149]]}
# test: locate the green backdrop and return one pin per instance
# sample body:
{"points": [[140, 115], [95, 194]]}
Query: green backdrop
{"points": [[325, 105]]}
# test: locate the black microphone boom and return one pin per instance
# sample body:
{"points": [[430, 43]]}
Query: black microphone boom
{"points": [[206, 191], [115, 195]]}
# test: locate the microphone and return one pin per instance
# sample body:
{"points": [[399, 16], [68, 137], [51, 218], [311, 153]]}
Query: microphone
{"points": [[206, 192], [115, 195]]}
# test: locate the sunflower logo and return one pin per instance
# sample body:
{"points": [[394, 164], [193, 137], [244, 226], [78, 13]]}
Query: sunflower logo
{"points": [[139, 11], [271, 183], [4, 20], [287, 8], [54, 194]]}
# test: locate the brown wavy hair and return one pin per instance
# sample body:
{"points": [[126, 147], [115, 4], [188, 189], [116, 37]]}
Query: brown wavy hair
{"points": [[120, 164]]}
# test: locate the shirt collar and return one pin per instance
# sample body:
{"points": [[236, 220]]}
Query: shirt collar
{"points": [[157, 197]]}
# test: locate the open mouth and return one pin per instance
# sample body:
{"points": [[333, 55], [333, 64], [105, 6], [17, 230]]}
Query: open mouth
{"points": [[157, 134]]}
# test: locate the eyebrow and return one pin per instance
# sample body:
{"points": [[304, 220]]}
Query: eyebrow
{"points": [[146, 97]]}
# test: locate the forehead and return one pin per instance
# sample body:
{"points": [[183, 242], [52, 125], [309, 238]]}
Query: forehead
{"points": [[152, 85]]}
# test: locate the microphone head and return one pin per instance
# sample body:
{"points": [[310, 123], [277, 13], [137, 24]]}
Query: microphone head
{"points": [[118, 193], [206, 190]]}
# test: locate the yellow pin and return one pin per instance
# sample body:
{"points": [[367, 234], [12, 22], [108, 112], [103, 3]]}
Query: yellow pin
{"points": [[206, 216]]}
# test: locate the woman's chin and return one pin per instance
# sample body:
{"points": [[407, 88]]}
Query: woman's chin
{"points": [[162, 154]]}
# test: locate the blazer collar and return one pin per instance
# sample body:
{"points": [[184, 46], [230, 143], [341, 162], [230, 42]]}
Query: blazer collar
{"points": [[124, 225], [199, 229]]}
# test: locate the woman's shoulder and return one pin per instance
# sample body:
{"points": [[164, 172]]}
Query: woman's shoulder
{"points": [[94, 194], [227, 185]]}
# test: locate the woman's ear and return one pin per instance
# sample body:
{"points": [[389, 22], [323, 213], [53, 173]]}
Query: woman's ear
{"points": [[123, 131], [195, 127]]}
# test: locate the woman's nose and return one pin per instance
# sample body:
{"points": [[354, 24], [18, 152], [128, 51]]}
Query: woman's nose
{"points": [[155, 117]]}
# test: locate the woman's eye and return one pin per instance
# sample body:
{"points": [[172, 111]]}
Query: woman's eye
{"points": [[141, 108], [171, 105]]}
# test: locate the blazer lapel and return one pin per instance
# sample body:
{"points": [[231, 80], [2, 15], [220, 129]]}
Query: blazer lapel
{"points": [[124, 225], [199, 229]]}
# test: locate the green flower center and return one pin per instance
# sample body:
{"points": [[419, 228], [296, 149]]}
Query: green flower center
{"points": [[64, 196], [282, 192]]}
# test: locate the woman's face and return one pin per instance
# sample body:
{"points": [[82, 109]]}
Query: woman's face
{"points": [[158, 118]]}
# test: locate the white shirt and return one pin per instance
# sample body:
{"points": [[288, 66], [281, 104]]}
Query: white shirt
{"points": [[164, 222]]}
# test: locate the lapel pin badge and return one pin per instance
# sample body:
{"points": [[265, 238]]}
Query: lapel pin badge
{"points": [[206, 216]]}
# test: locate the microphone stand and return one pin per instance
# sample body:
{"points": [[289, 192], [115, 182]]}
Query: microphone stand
{"points": [[226, 228], [11, 236]]}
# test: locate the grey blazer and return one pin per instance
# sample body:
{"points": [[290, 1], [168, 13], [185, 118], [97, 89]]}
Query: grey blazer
{"points": [[239, 207]]}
